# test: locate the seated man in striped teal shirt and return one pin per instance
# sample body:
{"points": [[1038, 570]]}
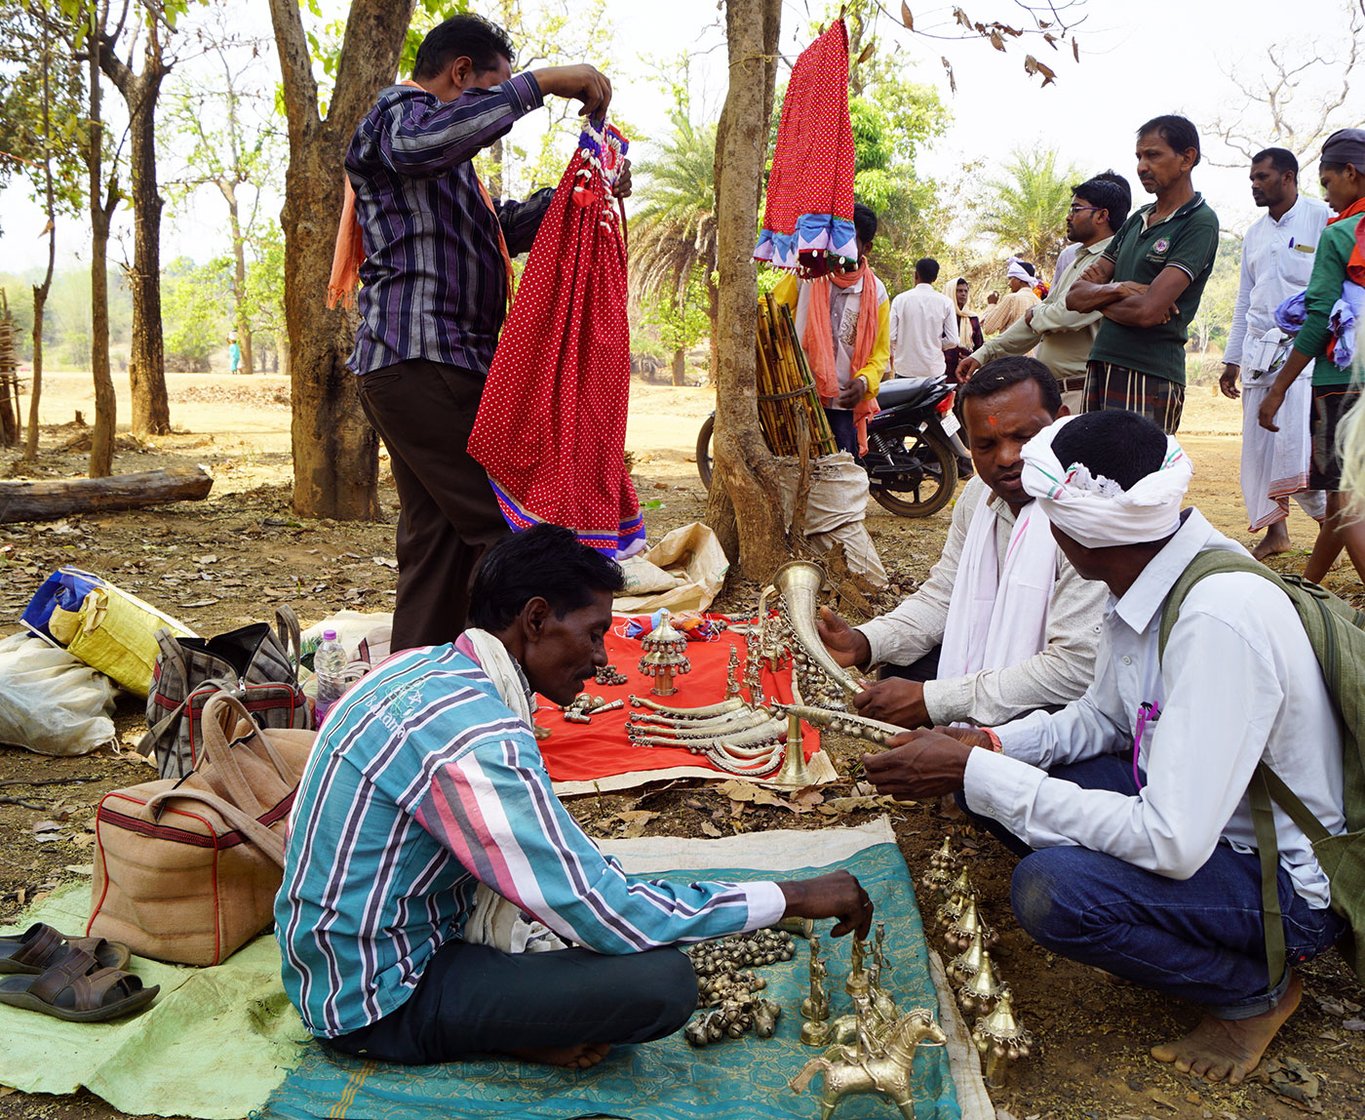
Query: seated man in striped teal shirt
{"points": [[426, 782]]}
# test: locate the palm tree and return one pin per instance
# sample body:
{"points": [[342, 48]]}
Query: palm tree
{"points": [[673, 236], [1025, 209]]}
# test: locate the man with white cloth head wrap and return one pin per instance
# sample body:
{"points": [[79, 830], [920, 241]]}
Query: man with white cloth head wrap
{"points": [[1004, 624], [1021, 277], [1129, 806]]}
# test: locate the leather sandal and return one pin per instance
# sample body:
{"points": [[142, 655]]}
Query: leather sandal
{"points": [[42, 946], [76, 990]]}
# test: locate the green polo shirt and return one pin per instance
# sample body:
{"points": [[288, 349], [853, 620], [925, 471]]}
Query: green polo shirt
{"points": [[1324, 289], [1187, 240]]}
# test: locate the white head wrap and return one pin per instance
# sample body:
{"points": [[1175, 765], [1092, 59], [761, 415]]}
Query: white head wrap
{"points": [[1096, 511], [1017, 271]]}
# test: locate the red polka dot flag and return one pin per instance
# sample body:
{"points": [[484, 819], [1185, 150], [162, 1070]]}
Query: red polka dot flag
{"points": [[809, 211], [551, 427]]}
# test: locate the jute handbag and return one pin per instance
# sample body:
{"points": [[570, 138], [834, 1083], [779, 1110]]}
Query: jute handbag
{"points": [[257, 665], [187, 870]]}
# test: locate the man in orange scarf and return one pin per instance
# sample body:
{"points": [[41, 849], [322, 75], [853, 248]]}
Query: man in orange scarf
{"points": [[846, 335]]}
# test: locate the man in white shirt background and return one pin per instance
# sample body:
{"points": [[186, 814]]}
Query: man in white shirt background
{"points": [[1130, 805], [923, 325], [1277, 260]]}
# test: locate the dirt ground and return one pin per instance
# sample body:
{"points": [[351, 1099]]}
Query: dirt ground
{"points": [[219, 563]]}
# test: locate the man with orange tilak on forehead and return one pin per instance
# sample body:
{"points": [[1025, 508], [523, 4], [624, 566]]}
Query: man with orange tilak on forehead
{"points": [[1003, 625]]}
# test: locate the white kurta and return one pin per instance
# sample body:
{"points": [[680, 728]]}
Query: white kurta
{"points": [[923, 325], [1277, 260]]}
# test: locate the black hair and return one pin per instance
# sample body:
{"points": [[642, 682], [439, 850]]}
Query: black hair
{"points": [[864, 222], [1123, 446], [482, 41], [1178, 132], [926, 268], [1281, 159], [545, 561], [1027, 267], [1003, 373], [1108, 191]]}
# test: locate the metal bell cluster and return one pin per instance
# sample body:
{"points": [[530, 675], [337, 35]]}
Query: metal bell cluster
{"points": [[981, 992]]}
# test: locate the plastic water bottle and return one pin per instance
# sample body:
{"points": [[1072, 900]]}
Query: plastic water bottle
{"points": [[329, 663]]}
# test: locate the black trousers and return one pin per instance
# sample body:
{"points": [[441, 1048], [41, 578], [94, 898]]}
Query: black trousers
{"points": [[425, 411], [474, 1000], [925, 669]]}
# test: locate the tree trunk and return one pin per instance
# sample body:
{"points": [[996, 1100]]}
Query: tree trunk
{"points": [[239, 317], [49, 499], [745, 506], [336, 461], [101, 210], [713, 314], [679, 366], [147, 355], [40, 291]]}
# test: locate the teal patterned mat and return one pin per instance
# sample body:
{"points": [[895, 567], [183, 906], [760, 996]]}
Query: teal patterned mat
{"points": [[743, 1079]]}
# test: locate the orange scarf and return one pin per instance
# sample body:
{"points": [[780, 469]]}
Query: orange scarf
{"points": [[1355, 265], [349, 254], [818, 340]]}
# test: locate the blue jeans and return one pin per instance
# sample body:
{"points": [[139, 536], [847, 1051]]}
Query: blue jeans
{"points": [[1201, 938], [845, 431]]}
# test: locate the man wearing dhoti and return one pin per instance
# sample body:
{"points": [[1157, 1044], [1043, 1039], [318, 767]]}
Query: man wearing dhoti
{"points": [[1130, 807], [1277, 260]]}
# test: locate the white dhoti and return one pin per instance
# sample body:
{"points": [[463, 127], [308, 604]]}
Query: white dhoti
{"points": [[1275, 464]]}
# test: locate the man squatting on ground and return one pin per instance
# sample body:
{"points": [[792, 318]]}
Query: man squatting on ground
{"points": [[1277, 261], [436, 276], [1003, 624], [426, 782], [1145, 866]]}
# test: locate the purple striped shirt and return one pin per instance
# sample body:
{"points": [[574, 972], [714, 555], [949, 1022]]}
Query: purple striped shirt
{"points": [[433, 284]]}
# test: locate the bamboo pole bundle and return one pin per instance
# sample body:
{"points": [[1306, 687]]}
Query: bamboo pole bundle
{"points": [[787, 398]]}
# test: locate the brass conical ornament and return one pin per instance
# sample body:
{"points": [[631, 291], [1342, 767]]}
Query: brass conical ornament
{"points": [[967, 963], [1001, 1039], [967, 926], [939, 875], [982, 989], [958, 894]]}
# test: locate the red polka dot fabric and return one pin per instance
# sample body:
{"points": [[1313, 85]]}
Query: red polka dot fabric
{"points": [[551, 427], [809, 211]]}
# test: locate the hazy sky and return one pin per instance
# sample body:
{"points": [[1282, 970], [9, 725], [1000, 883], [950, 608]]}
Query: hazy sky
{"points": [[1137, 60]]}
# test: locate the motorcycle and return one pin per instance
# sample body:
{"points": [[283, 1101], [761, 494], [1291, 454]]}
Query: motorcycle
{"points": [[912, 446]]}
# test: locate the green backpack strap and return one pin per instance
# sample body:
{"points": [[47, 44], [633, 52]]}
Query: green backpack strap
{"points": [[1265, 783]]}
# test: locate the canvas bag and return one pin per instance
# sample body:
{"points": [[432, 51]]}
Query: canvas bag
{"points": [[257, 665], [1336, 631], [187, 870]]}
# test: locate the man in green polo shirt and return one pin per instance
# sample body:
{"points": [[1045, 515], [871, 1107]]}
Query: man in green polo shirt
{"points": [[1339, 259], [1149, 281]]}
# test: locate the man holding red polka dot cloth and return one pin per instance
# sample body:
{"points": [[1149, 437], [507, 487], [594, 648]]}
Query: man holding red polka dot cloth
{"points": [[434, 252]]}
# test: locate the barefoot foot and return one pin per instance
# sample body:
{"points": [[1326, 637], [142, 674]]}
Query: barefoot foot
{"points": [[1275, 541], [584, 1056], [1229, 1049]]}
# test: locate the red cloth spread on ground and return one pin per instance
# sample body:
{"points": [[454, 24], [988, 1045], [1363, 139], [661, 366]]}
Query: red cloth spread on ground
{"points": [[577, 752], [551, 427], [809, 211]]}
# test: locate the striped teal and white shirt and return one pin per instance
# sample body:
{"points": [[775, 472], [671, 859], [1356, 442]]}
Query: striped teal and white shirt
{"points": [[422, 784]]}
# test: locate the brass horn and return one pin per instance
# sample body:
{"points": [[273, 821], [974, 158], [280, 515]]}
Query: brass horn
{"points": [[798, 582]]}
